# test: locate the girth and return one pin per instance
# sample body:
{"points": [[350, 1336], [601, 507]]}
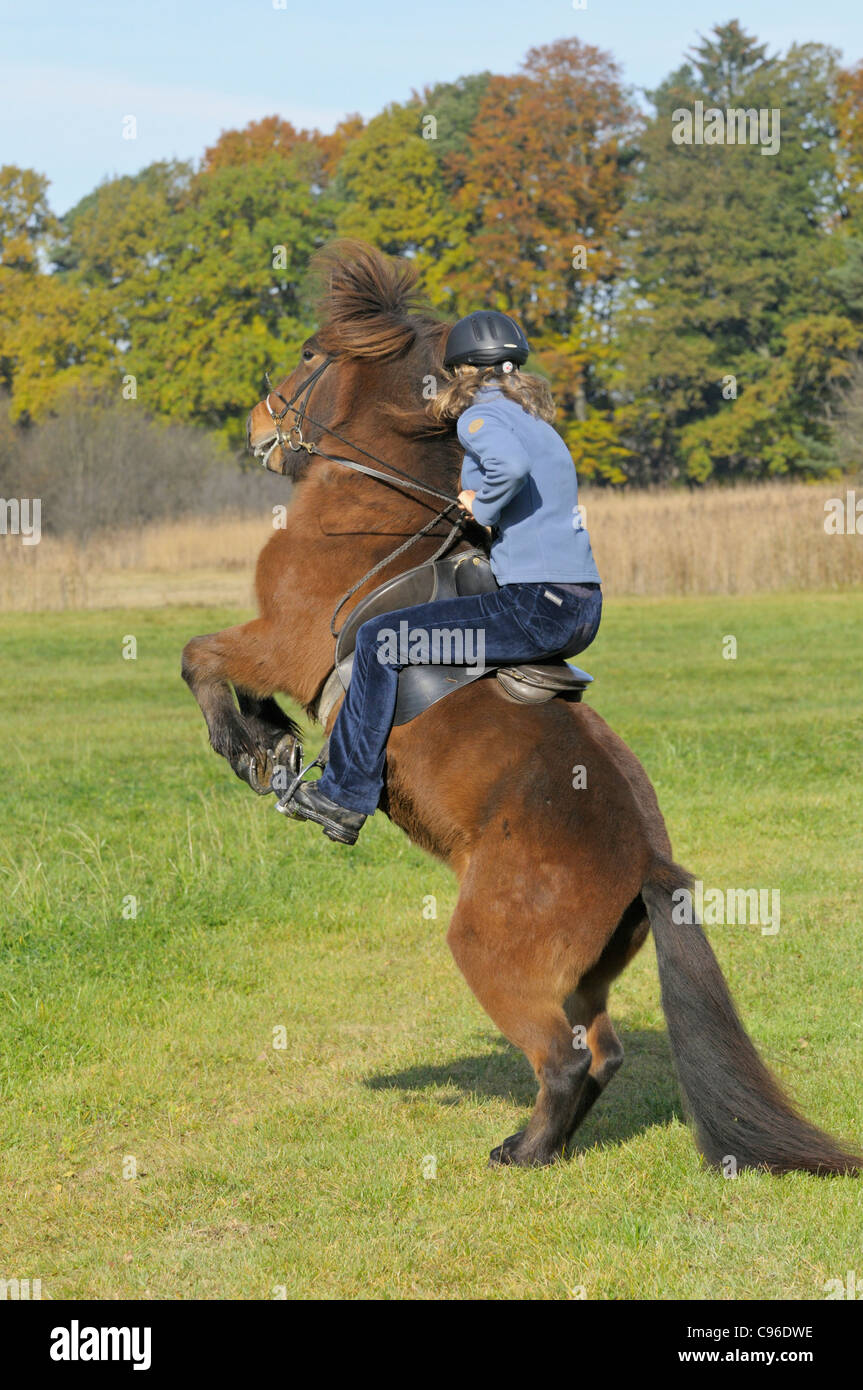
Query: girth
{"points": [[465, 573]]}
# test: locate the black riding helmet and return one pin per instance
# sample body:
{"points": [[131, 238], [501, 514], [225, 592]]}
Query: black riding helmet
{"points": [[485, 339]]}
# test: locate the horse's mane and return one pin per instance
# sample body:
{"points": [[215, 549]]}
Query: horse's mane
{"points": [[369, 306]]}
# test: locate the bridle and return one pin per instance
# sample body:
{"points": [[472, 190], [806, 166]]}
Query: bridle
{"points": [[305, 390], [294, 441]]}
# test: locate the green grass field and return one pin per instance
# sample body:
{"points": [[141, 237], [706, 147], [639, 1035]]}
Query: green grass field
{"points": [[350, 1162]]}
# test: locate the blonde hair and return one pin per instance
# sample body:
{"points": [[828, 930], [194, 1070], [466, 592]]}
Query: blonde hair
{"points": [[532, 393]]}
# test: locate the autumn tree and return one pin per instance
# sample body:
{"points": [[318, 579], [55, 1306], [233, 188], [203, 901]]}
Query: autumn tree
{"points": [[311, 150], [540, 188]]}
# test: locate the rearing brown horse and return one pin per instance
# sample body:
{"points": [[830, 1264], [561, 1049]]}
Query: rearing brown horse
{"points": [[559, 884]]}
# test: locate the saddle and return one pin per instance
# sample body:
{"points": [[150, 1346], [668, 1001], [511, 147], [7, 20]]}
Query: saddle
{"points": [[467, 572]]}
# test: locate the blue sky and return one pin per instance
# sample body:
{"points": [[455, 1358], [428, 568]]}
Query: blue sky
{"points": [[70, 73]]}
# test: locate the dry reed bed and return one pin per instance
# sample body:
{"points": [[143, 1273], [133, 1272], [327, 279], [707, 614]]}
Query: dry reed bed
{"points": [[743, 540]]}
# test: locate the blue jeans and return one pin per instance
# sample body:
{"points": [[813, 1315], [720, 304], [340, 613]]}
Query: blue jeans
{"points": [[517, 622]]}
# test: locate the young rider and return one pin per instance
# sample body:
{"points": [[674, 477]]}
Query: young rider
{"points": [[518, 478]]}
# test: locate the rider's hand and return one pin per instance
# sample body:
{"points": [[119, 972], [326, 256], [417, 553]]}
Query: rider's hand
{"points": [[466, 500]]}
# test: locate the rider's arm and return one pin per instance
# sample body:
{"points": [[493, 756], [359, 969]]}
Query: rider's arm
{"points": [[502, 460]]}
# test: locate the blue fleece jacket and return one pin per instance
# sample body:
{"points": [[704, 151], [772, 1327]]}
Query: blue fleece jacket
{"points": [[525, 484]]}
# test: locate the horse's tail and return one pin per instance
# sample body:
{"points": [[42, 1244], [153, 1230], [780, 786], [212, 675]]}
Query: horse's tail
{"points": [[740, 1112]]}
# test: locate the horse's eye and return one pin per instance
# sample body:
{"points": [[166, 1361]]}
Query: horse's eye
{"points": [[307, 354]]}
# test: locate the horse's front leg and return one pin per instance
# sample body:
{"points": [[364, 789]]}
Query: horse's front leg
{"points": [[259, 736]]}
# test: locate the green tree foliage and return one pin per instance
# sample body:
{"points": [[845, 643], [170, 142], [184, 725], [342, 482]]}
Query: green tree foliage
{"points": [[391, 189], [455, 107], [196, 280], [735, 332], [849, 117], [113, 247], [228, 306], [47, 344], [25, 217]]}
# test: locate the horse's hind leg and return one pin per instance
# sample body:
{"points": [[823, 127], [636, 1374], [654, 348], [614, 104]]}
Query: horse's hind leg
{"points": [[519, 1001], [592, 1029], [587, 1012], [562, 1075]]}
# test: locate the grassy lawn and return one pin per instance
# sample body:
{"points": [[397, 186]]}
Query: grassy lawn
{"points": [[156, 1144]]}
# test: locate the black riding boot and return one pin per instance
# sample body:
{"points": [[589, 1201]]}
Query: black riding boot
{"points": [[307, 803]]}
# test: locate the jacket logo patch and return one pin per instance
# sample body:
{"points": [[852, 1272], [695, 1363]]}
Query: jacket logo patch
{"points": [[475, 425]]}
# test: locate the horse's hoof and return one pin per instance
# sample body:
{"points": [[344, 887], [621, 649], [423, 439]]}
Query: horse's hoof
{"points": [[274, 771], [514, 1152], [507, 1152], [246, 768]]}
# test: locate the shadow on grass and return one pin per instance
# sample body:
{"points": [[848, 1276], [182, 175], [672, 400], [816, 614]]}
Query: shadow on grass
{"points": [[643, 1093]]}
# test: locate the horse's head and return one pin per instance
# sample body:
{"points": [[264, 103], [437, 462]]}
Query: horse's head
{"points": [[274, 428], [373, 352]]}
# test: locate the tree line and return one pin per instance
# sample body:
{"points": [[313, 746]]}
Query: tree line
{"points": [[696, 300]]}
